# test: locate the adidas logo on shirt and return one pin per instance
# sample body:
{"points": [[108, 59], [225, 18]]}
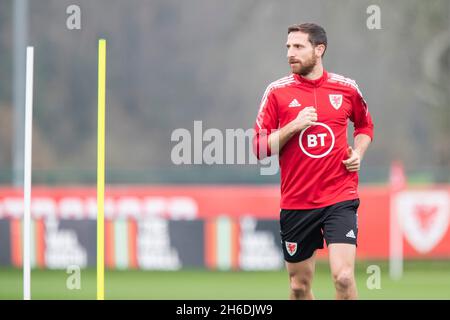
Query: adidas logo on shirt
{"points": [[294, 103], [350, 234]]}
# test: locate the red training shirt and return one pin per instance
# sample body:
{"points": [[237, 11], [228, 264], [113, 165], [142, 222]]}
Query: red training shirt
{"points": [[312, 172]]}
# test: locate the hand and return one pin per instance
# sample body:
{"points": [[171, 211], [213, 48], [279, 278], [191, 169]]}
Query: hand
{"points": [[353, 163], [305, 118]]}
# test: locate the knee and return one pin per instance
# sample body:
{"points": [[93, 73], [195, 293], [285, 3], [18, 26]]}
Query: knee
{"points": [[344, 279], [300, 286]]}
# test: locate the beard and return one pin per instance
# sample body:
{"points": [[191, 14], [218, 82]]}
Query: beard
{"points": [[304, 68]]}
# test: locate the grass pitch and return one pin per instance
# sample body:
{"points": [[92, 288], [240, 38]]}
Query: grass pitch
{"points": [[421, 280]]}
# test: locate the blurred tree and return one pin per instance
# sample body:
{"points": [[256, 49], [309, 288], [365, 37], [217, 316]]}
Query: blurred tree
{"points": [[170, 62]]}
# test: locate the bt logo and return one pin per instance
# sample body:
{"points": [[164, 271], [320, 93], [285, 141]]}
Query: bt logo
{"points": [[317, 141], [312, 139]]}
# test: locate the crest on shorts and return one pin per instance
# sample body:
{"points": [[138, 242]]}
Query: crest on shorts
{"points": [[291, 247], [335, 100]]}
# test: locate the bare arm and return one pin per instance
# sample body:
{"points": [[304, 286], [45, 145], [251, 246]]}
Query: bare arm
{"points": [[278, 139], [362, 142]]}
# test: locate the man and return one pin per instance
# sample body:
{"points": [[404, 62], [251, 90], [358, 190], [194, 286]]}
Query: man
{"points": [[303, 117]]}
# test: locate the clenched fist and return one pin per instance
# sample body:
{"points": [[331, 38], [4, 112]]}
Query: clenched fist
{"points": [[305, 118]]}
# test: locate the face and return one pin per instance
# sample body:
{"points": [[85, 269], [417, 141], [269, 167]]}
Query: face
{"points": [[302, 56]]}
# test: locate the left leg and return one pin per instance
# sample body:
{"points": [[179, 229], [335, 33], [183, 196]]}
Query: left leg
{"points": [[342, 265], [341, 232]]}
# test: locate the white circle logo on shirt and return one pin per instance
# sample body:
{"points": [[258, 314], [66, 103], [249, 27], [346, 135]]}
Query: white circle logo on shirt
{"points": [[316, 141]]}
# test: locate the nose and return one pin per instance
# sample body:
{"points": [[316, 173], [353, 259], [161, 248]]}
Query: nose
{"points": [[289, 54]]}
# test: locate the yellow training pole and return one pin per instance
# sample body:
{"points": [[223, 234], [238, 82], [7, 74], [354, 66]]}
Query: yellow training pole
{"points": [[101, 170]]}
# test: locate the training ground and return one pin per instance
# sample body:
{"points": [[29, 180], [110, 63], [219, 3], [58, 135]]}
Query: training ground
{"points": [[421, 280]]}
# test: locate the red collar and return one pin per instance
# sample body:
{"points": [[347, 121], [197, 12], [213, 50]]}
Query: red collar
{"points": [[312, 83]]}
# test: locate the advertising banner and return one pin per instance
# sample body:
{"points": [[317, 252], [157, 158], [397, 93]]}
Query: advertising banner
{"points": [[217, 227]]}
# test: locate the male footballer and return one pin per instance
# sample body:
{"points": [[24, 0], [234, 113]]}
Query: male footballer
{"points": [[303, 118]]}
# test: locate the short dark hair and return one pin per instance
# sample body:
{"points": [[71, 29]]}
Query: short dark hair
{"points": [[316, 34]]}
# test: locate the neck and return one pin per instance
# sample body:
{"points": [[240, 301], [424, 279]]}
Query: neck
{"points": [[316, 73]]}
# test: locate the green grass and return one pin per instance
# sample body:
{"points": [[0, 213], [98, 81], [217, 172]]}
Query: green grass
{"points": [[421, 280]]}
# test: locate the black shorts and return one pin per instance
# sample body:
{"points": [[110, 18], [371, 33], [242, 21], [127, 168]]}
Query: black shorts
{"points": [[302, 231]]}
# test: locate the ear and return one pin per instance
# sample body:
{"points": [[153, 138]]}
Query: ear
{"points": [[319, 50]]}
